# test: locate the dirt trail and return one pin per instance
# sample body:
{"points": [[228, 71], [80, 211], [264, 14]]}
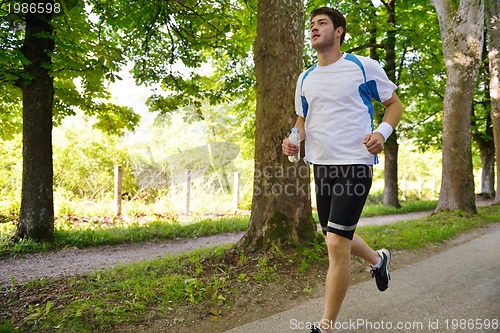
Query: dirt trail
{"points": [[75, 261]]}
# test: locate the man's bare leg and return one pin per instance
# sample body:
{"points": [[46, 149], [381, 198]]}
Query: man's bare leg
{"points": [[337, 278], [361, 249]]}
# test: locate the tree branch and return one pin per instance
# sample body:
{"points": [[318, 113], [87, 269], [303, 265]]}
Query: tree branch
{"points": [[386, 5], [198, 15], [366, 46]]}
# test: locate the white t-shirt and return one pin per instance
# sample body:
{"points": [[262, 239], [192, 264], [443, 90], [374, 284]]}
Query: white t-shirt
{"points": [[336, 101]]}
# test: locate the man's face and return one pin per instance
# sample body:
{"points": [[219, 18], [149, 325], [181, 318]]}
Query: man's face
{"points": [[323, 33]]}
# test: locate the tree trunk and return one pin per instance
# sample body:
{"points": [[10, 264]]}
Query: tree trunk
{"points": [[391, 189], [492, 11], [487, 149], [36, 218], [485, 141], [462, 39], [487, 154], [281, 206]]}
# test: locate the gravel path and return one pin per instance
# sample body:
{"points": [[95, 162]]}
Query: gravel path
{"points": [[75, 261]]}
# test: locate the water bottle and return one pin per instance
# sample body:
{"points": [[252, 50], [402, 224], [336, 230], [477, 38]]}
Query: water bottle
{"points": [[295, 139]]}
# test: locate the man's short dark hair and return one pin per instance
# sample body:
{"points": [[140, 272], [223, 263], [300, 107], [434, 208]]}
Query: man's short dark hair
{"points": [[337, 18]]}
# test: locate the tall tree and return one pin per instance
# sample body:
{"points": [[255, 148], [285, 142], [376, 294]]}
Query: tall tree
{"points": [[482, 128], [424, 60], [462, 40], [36, 218], [388, 34], [492, 13], [421, 74], [44, 46], [281, 207], [391, 192]]}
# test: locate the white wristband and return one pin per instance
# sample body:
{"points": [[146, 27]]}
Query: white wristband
{"points": [[385, 129]]}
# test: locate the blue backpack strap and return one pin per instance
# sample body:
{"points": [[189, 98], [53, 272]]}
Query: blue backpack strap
{"points": [[305, 105]]}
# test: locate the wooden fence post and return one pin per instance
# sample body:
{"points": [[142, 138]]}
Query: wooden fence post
{"points": [[403, 188], [118, 190], [420, 186], [187, 191], [236, 192]]}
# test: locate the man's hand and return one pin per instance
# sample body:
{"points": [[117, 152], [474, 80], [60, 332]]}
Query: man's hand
{"points": [[289, 148], [374, 143]]}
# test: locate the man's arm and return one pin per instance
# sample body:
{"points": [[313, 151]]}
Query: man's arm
{"points": [[393, 111], [300, 124]]}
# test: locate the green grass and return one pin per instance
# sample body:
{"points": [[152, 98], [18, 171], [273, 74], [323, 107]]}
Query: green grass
{"points": [[96, 232], [126, 292], [209, 278], [436, 228], [377, 209], [8, 328]]}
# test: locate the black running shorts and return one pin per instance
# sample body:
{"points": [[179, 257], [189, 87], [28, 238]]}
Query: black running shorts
{"points": [[341, 192]]}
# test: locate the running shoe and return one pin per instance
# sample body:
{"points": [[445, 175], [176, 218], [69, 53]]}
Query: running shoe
{"points": [[381, 274], [316, 329]]}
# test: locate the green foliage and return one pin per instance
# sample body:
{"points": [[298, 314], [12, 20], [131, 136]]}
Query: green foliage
{"points": [[90, 53], [162, 37], [10, 119], [10, 175], [94, 39], [84, 161], [211, 148], [86, 52], [481, 124]]}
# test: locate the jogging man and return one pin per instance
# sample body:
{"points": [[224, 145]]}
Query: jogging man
{"points": [[333, 101]]}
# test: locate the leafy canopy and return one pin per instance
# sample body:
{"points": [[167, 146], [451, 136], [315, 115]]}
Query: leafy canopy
{"points": [[86, 51]]}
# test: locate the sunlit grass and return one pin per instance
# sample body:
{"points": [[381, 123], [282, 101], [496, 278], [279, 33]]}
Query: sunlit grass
{"points": [[437, 228], [79, 231], [406, 207], [94, 232]]}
